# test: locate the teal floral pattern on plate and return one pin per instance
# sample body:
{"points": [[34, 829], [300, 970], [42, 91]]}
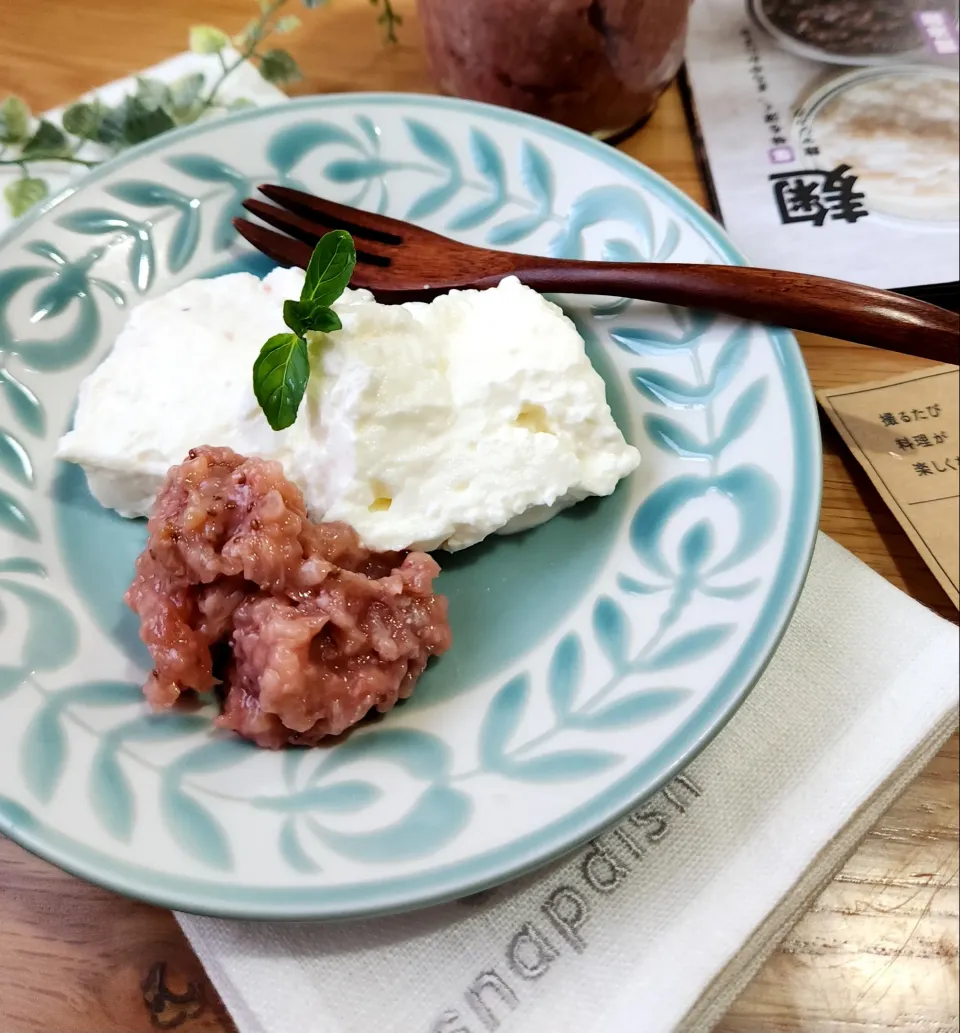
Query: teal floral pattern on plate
{"points": [[624, 632]]}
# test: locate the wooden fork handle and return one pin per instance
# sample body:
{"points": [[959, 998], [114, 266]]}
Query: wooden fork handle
{"points": [[813, 303]]}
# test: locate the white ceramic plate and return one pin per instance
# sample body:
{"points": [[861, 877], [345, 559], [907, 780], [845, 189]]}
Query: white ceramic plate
{"points": [[592, 657]]}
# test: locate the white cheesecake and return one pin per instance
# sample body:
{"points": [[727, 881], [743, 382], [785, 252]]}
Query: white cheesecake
{"points": [[424, 426]]}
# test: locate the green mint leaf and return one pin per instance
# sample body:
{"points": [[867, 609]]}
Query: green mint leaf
{"points": [[288, 24], [153, 94], [278, 67], [330, 268], [14, 120], [47, 142], [207, 39], [185, 91], [140, 123], [24, 193], [302, 316], [311, 4], [280, 377], [84, 119]]}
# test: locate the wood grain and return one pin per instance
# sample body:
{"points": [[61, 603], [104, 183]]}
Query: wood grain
{"points": [[877, 953]]}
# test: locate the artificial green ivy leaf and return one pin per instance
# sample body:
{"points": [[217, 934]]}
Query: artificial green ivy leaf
{"points": [[48, 141], [84, 119], [207, 39], [140, 123], [14, 120], [153, 94], [110, 130], [185, 92], [24, 193], [278, 67]]}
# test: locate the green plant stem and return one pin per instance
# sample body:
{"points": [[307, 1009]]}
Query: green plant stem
{"points": [[390, 20], [22, 162], [255, 38]]}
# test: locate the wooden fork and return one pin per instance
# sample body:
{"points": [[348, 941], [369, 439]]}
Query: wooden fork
{"points": [[398, 261]]}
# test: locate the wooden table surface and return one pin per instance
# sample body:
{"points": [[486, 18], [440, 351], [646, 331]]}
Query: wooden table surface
{"points": [[877, 951]]}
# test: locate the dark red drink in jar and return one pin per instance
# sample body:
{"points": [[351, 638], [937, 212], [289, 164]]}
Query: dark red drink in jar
{"points": [[596, 65]]}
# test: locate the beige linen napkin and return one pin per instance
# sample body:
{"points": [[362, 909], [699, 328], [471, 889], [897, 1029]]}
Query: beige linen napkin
{"points": [[659, 923]]}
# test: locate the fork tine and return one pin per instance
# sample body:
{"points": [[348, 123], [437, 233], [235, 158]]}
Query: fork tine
{"points": [[312, 229], [284, 250], [360, 223]]}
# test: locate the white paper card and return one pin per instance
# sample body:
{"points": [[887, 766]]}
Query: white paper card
{"points": [[777, 127]]}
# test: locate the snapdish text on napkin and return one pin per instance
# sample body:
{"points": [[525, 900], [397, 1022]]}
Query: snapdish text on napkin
{"points": [[562, 922]]}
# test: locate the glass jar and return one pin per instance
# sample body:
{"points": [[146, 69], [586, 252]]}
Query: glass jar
{"points": [[596, 65]]}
